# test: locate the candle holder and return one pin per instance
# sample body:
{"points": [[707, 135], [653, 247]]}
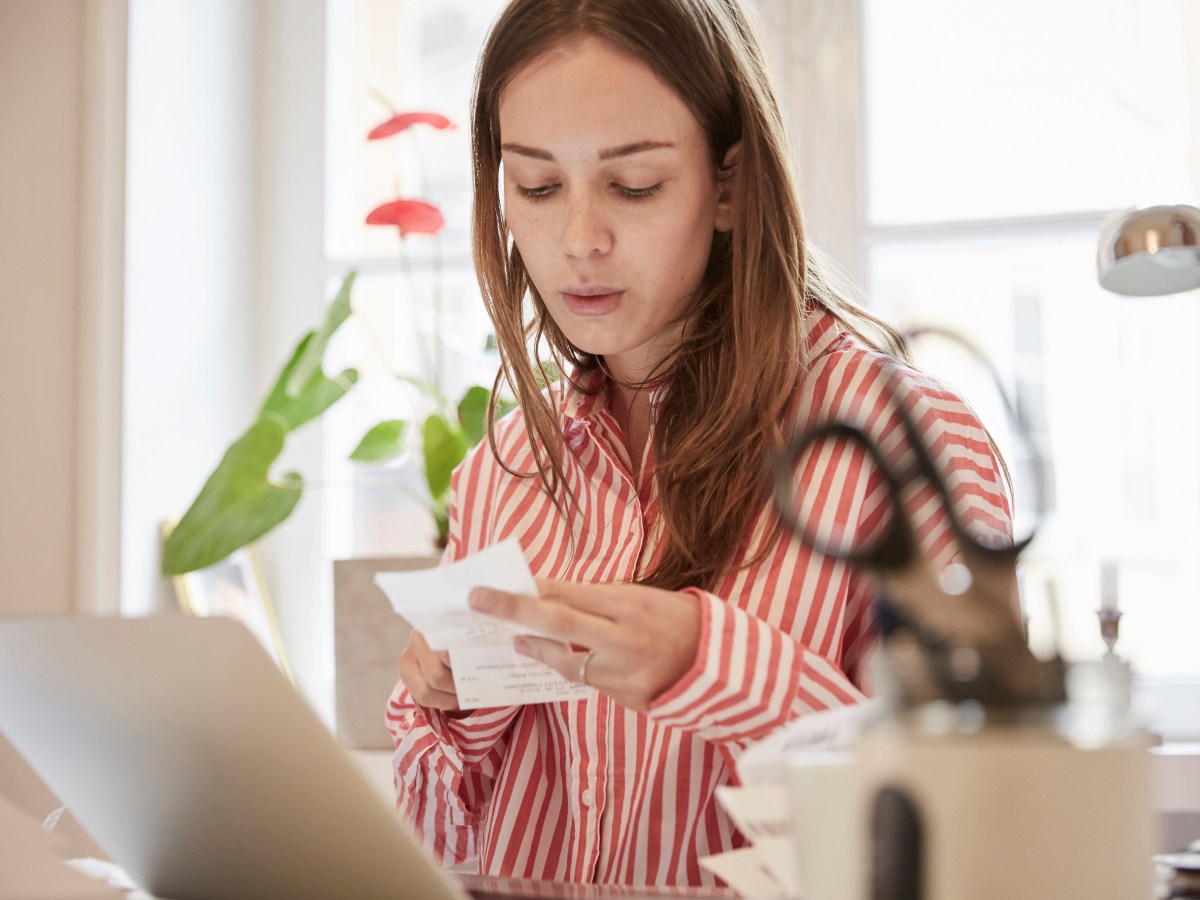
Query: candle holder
{"points": [[1109, 627]]}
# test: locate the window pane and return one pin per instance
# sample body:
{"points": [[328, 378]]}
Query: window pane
{"points": [[417, 57], [404, 325], [978, 110], [1112, 385]]}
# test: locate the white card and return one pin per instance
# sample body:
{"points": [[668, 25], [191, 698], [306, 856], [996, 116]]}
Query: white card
{"points": [[743, 870], [759, 810], [762, 814], [488, 672]]}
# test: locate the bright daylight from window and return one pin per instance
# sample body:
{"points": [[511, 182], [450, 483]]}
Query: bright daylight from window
{"points": [[993, 141]]}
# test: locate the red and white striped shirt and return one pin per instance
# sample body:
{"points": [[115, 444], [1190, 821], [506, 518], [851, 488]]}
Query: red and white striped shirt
{"points": [[589, 791]]}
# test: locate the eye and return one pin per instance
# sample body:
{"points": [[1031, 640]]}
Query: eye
{"points": [[535, 193], [638, 193]]}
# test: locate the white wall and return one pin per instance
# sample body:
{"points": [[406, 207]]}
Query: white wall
{"points": [[189, 307], [41, 97], [225, 274], [186, 322], [290, 293]]}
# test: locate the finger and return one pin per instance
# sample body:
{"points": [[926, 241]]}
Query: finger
{"points": [[419, 689], [416, 640], [563, 659], [432, 699], [436, 673], [419, 639], [551, 618], [595, 599], [434, 666]]}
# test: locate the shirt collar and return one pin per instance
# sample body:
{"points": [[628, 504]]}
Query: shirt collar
{"points": [[583, 393]]}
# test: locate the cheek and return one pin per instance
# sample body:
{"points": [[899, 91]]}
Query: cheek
{"points": [[684, 244], [525, 227]]}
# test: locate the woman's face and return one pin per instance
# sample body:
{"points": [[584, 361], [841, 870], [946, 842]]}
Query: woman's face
{"points": [[611, 198]]}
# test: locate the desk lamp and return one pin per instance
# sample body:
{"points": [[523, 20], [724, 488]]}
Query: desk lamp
{"points": [[1149, 252], [1145, 252]]}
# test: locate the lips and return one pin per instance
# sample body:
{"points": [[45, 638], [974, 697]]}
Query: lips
{"points": [[592, 300]]}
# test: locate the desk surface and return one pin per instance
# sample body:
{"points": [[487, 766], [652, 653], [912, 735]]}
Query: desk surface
{"points": [[488, 887]]}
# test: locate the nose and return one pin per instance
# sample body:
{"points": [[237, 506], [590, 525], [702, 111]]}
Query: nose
{"points": [[585, 231]]}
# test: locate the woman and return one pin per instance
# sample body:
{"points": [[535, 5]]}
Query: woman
{"points": [[647, 211]]}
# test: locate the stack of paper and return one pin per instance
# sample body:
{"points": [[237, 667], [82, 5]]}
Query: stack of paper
{"points": [[762, 807], [767, 868]]}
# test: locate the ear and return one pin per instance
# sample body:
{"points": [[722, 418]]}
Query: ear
{"points": [[726, 185]]}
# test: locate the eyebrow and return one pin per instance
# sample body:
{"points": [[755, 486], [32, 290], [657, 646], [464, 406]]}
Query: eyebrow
{"points": [[607, 153]]}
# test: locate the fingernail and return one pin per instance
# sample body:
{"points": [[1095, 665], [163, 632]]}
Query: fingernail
{"points": [[521, 645], [481, 599]]}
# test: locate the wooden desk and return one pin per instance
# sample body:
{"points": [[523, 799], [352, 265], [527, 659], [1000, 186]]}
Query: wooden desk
{"points": [[488, 887]]}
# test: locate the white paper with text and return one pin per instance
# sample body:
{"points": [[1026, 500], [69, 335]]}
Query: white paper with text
{"points": [[488, 672]]}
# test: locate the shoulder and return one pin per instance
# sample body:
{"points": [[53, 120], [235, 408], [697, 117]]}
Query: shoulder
{"points": [[510, 441], [507, 444], [849, 380]]}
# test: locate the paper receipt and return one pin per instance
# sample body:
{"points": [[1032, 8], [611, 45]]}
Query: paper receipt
{"points": [[487, 671]]}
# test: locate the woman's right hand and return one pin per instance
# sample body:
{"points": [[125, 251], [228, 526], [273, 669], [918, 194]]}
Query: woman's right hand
{"points": [[427, 674]]}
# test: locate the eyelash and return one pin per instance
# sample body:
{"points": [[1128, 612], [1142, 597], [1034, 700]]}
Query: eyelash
{"points": [[543, 192]]}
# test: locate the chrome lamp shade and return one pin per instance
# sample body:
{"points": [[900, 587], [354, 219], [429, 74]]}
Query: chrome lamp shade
{"points": [[1149, 252]]}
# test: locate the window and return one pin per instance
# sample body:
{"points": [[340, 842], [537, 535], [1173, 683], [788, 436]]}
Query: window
{"points": [[966, 158], [417, 307]]}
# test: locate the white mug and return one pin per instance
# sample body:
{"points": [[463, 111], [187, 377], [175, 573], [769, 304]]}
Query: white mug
{"points": [[830, 846]]}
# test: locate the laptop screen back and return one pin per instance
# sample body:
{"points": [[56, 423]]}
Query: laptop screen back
{"points": [[192, 761]]}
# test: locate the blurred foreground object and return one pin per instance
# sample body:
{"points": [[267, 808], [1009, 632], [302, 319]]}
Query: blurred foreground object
{"points": [[990, 773]]}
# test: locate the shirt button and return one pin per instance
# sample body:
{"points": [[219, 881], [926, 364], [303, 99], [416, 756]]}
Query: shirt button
{"points": [[588, 798]]}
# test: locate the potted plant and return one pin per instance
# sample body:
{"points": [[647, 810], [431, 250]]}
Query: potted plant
{"points": [[241, 501]]}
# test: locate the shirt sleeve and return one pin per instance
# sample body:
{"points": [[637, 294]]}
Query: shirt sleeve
{"points": [[443, 771], [444, 767], [749, 678]]}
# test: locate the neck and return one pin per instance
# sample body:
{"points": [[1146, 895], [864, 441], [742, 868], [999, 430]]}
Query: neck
{"points": [[631, 408]]}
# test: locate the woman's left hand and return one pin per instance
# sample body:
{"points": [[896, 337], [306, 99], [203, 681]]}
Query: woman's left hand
{"points": [[630, 641]]}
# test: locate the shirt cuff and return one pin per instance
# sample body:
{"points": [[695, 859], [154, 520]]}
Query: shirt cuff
{"points": [[474, 735], [747, 678]]}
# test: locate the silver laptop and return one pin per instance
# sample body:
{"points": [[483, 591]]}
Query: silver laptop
{"points": [[192, 761]]}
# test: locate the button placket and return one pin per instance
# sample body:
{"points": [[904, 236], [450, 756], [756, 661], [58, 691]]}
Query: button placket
{"points": [[592, 799]]}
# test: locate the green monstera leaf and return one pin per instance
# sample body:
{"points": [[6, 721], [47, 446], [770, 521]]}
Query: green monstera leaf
{"points": [[303, 391], [307, 364], [238, 504], [315, 395], [472, 413], [445, 447], [382, 442]]}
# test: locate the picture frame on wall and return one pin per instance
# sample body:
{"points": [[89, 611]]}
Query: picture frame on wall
{"points": [[234, 588]]}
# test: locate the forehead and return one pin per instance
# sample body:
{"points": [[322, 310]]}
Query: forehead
{"points": [[589, 92]]}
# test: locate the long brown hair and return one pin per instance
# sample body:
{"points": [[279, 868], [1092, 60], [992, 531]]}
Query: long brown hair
{"points": [[726, 389]]}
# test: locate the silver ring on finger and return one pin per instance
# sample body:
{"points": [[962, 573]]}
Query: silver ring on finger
{"points": [[582, 678]]}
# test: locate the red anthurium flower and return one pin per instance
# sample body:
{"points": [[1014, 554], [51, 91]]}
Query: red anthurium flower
{"points": [[402, 121], [410, 216]]}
